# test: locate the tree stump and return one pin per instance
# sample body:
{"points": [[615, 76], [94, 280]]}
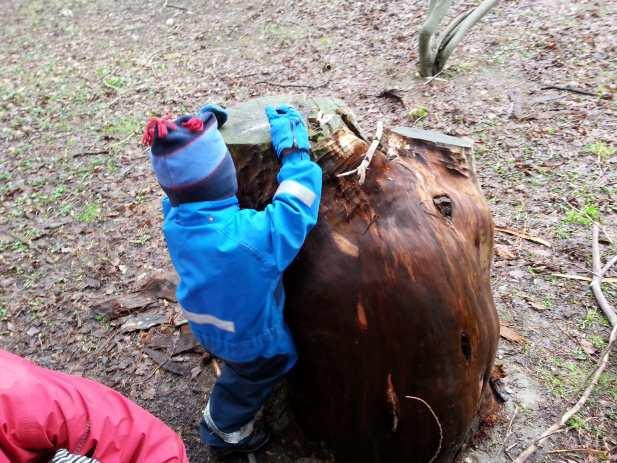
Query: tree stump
{"points": [[389, 301]]}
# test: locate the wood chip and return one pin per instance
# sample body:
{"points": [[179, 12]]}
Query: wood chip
{"points": [[504, 252], [184, 342], [142, 321], [160, 286], [536, 305], [164, 361], [119, 306]]}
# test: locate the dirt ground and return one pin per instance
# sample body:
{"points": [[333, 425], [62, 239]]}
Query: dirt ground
{"points": [[80, 219]]}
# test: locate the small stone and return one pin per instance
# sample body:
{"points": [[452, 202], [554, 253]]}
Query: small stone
{"points": [[33, 331], [170, 22]]}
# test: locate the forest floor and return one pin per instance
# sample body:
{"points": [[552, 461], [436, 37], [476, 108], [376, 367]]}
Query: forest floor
{"points": [[80, 219]]}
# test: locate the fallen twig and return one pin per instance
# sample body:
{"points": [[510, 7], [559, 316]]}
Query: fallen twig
{"points": [[170, 355], [509, 430], [598, 274], [569, 89], [610, 313], [608, 266], [363, 167], [525, 236], [582, 278], [428, 81], [557, 427], [582, 450], [90, 153], [177, 7], [436, 421], [274, 84]]}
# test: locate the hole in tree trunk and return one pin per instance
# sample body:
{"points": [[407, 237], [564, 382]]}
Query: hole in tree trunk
{"points": [[466, 345], [444, 205]]}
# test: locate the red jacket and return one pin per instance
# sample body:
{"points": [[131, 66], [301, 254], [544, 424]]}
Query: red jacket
{"points": [[42, 411]]}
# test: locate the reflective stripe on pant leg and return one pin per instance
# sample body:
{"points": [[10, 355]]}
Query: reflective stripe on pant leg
{"points": [[228, 437]]}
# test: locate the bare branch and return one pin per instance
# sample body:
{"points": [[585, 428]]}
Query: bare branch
{"points": [[610, 313], [597, 278], [608, 266], [529, 451]]}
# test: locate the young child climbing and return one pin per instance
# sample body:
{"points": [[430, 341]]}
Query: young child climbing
{"points": [[231, 260]]}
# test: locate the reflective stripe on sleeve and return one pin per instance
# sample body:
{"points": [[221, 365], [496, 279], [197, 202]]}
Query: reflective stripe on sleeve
{"points": [[229, 437], [297, 190], [206, 319]]}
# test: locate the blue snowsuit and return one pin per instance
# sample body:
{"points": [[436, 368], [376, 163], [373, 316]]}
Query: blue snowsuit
{"points": [[231, 263]]}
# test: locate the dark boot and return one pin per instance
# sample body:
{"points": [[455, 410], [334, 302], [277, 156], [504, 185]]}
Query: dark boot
{"points": [[251, 444]]}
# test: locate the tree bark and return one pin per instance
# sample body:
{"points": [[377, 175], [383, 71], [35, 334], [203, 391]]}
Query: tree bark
{"points": [[389, 301], [437, 10], [435, 52]]}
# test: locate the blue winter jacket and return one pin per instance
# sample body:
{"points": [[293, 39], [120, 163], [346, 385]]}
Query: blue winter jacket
{"points": [[231, 262]]}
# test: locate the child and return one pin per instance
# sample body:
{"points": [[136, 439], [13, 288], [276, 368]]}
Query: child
{"points": [[50, 416], [231, 260]]}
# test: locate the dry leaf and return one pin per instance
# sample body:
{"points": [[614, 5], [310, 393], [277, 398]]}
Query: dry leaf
{"points": [[587, 346], [536, 305], [511, 335], [504, 252]]}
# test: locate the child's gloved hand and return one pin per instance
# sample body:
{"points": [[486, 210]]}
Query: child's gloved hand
{"points": [[218, 111], [288, 130]]}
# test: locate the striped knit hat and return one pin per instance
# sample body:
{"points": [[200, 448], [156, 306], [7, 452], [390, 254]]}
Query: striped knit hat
{"points": [[190, 159]]}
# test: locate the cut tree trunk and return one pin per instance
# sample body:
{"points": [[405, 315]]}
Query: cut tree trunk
{"points": [[389, 301]]}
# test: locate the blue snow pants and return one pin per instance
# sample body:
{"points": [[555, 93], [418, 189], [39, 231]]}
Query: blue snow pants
{"points": [[237, 396]]}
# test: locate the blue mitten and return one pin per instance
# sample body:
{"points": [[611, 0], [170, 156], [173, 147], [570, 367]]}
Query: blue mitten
{"points": [[288, 130], [218, 111]]}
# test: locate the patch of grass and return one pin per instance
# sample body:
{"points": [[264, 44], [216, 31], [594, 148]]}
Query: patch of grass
{"points": [[325, 42], [563, 377], [123, 127], [600, 149], [111, 165], [592, 317], [589, 214], [58, 192], [20, 247], [577, 423], [2, 312], [598, 341], [143, 239], [114, 82], [90, 213], [554, 383], [548, 302], [418, 113], [66, 209], [607, 383]]}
